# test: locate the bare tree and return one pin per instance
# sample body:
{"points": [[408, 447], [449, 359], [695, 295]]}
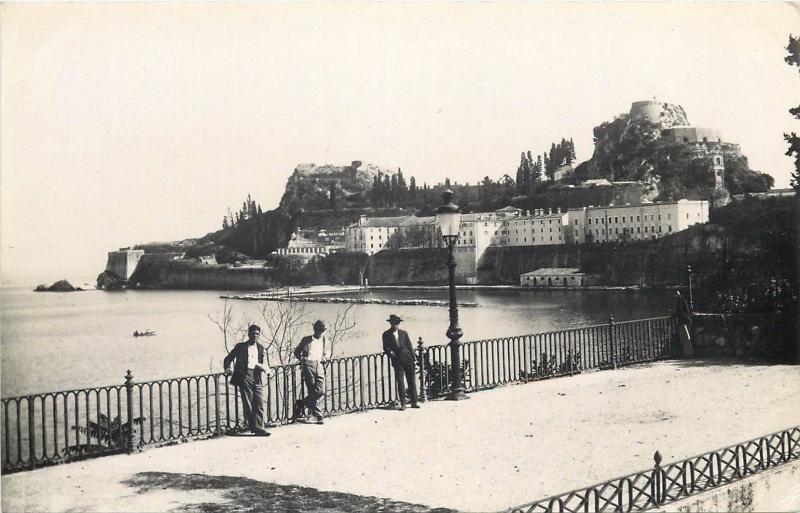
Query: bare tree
{"points": [[341, 326], [283, 321], [224, 321]]}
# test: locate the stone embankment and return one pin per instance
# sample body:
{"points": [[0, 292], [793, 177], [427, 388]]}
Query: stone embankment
{"points": [[339, 300]]}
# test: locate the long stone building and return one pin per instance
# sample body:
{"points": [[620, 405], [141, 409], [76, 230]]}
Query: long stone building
{"points": [[511, 226]]}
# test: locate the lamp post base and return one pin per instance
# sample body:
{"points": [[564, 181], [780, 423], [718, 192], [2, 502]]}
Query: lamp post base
{"points": [[457, 395]]}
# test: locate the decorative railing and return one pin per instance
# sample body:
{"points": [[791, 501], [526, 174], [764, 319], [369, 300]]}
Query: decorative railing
{"points": [[659, 486], [42, 429]]}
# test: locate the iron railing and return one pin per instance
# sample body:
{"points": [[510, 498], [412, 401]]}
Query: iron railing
{"points": [[675, 481], [42, 429]]}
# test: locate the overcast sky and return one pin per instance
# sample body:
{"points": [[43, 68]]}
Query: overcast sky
{"points": [[126, 123]]}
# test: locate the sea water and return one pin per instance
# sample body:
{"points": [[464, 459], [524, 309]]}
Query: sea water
{"points": [[62, 341]]}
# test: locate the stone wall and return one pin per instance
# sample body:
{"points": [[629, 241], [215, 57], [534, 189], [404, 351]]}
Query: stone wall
{"points": [[776, 489], [419, 266], [123, 263], [749, 336]]}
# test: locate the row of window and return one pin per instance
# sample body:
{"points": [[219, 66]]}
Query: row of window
{"points": [[598, 231]]}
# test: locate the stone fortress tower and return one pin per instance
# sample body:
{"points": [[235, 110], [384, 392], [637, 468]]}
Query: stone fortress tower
{"points": [[702, 142]]}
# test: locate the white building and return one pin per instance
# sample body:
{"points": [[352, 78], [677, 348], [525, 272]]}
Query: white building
{"points": [[626, 222], [373, 234], [541, 228], [299, 245]]}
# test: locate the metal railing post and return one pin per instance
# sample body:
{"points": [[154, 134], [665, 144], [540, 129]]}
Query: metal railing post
{"points": [[656, 480], [421, 357], [691, 292], [611, 341], [31, 434], [129, 394], [217, 404]]}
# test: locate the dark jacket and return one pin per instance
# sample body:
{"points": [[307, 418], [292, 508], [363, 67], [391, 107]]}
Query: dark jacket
{"points": [[401, 353], [239, 355]]}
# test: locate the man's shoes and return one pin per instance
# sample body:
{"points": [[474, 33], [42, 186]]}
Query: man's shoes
{"points": [[261, 432], [313, 420], [402, 407], [298, 411], [415, 406]]}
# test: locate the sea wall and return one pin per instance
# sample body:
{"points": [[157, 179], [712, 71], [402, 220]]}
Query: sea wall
{"points": [[648, 263], [420, 266], [123, 263], [183, 274], [657, 263]]}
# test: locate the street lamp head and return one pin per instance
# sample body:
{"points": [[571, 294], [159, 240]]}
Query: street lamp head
{"points": [[449, 217]]}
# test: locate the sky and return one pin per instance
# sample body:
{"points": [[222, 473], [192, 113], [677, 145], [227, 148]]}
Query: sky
{"points": [[135, 122]]}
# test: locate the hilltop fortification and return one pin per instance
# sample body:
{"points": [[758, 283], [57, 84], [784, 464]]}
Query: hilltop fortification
{"points": [[654, 143]]}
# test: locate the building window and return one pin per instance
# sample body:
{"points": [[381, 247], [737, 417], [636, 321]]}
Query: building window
{"points": [[623, 219], [637, 219], [669, 216], [669, 228], [616, 219], [576, 222]]}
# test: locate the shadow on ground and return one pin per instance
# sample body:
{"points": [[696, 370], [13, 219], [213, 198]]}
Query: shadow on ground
{"points": [[244, 495]]}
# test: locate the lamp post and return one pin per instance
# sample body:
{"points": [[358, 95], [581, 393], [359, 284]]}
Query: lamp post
{"points": [[449, 218]]}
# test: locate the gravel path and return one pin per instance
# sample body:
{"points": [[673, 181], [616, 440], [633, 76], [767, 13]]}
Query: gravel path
{"points": [[500, 448]]}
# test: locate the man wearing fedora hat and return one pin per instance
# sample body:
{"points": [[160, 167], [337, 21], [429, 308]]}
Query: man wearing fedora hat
{"points": [[311, 352], [397, 346]]}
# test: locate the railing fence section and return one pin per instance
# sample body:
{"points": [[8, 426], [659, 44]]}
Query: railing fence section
{"points": [[42, 429], [659, 486]]}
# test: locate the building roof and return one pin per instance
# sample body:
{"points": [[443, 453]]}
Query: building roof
{"points": [[508, 208], [595, 182], [543, 215], [645, 204], [395, 222], [418, 221], [480, 216], [554, 271]]}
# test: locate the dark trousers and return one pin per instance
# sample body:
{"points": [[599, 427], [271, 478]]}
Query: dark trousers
{"points": [[252, 401], [404, 373], [314, 379]]}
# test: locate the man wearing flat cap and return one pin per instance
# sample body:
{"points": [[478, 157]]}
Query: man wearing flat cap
{"points": [[311, 353], [397, 346]]}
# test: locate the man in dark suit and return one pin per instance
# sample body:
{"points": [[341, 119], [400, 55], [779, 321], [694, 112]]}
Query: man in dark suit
{"points": [[397, 346], [248, 369]]}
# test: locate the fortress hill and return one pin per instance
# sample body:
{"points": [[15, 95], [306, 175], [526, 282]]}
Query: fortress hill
{"points": [[651, 174]]}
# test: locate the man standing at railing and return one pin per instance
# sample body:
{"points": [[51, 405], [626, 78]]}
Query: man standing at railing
{"points": [[311, 353], [397, 345], [248, 369]]}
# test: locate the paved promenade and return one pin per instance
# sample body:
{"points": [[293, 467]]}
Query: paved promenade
{"points": [[498, 449]]}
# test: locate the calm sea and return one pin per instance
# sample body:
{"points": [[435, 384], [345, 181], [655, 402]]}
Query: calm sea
{"points": [[52, 341]]}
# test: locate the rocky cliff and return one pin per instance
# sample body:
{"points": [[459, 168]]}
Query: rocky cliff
{"points": [[313, 187], [655, 144]]}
